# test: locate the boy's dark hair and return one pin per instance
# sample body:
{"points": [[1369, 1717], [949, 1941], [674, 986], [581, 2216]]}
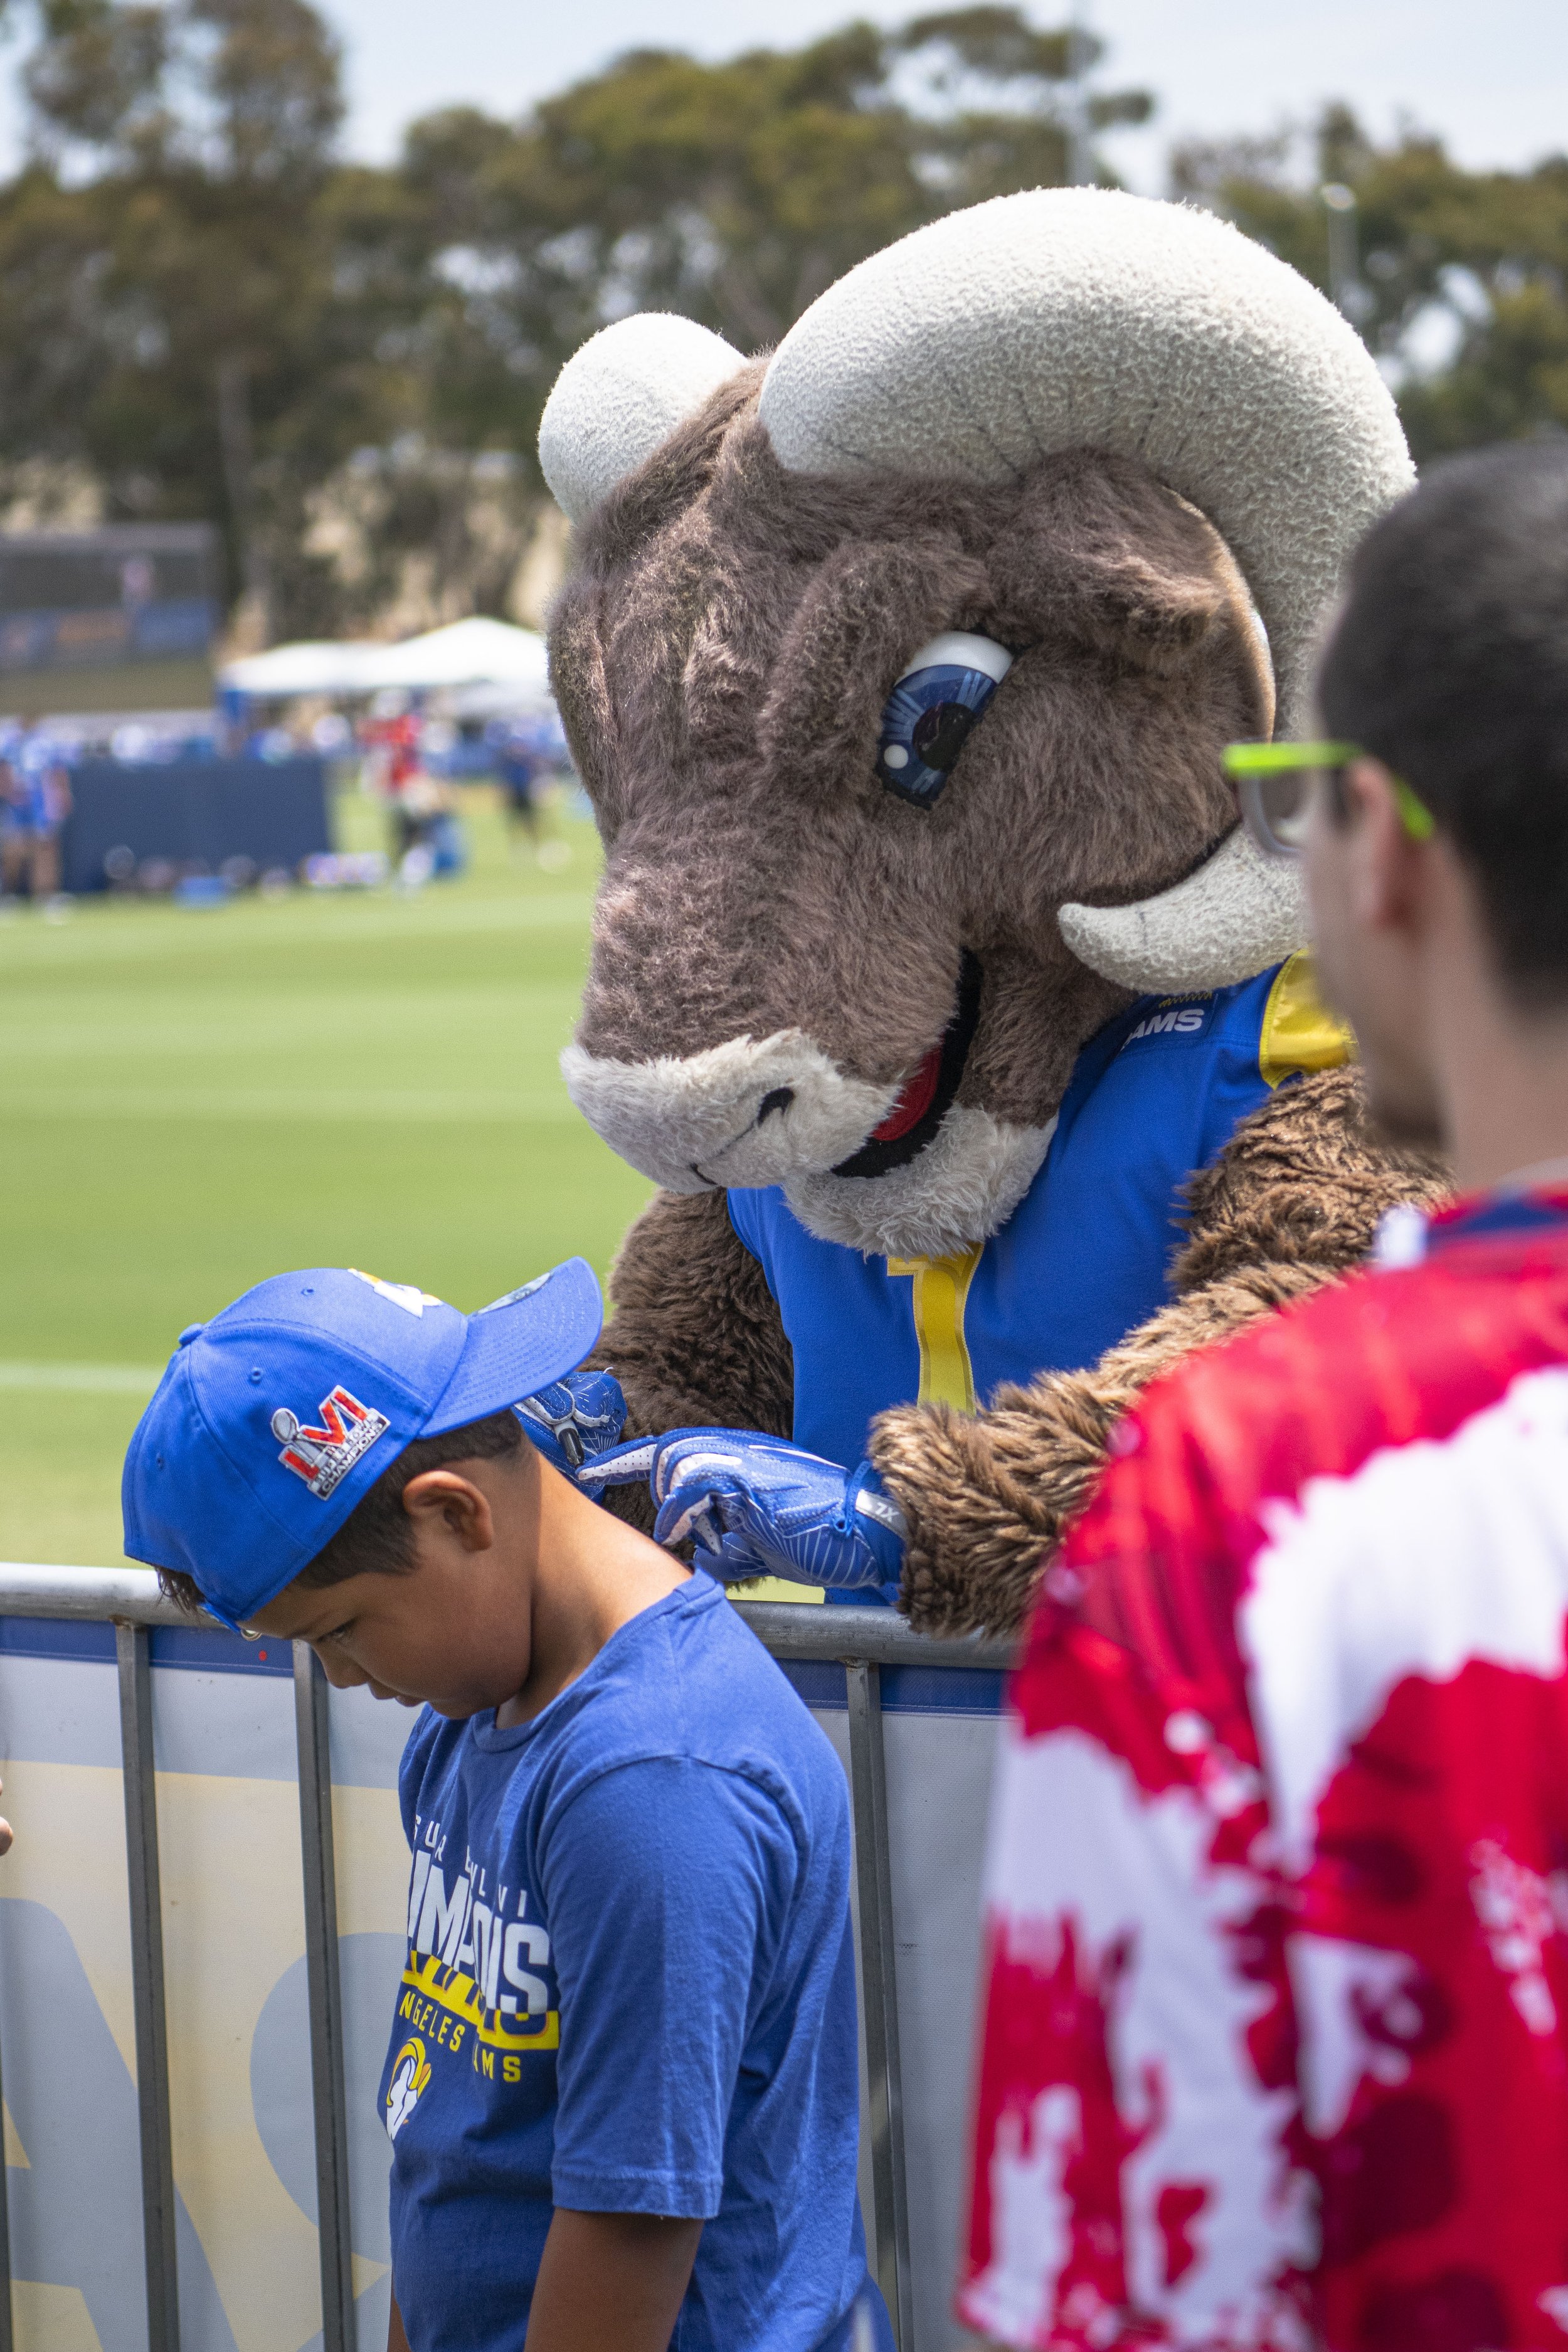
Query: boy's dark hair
{"points": [[377, 1537], [1449, 662]]}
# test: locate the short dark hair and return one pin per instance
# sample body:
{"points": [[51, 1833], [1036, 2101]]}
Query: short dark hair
{"points": [[377, 1537], [1449, 662]]}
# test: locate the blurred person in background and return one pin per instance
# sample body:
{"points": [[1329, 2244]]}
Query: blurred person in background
{"points": [[1275, 2047], [526, 752], [391, 735], [518, 768], [35, 802], [47, 780], [14, 844]]}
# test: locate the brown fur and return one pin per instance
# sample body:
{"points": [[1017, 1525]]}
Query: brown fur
{"points": [[695, 1335], [1292, 1202], [696, 1338], [1305, 1179]]}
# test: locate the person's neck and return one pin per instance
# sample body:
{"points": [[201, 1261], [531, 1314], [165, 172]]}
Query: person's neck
{"points": [[593, 1574], [1502, 1079]]}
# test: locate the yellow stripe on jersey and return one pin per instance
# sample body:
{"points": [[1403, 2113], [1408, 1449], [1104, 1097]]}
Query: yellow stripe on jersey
{"points": [[947, 1376], [1298, 1032], [941, 1292]]}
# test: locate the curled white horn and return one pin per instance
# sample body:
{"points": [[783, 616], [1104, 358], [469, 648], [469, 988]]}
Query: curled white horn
{"points": [[1086, 318], [621, 395], [1240, 912], [1077, 317]]}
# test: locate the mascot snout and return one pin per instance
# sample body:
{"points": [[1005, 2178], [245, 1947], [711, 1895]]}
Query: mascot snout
{"points": [[750, 1111]]}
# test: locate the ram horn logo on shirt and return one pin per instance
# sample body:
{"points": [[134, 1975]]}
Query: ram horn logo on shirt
{"points": [[410, 2072], [323, 1457]]}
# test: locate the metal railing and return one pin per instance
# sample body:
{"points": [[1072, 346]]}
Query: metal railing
{"points": [[863, 1641]]}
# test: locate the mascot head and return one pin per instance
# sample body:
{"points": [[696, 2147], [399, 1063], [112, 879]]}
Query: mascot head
{"points": [[898, 669]]}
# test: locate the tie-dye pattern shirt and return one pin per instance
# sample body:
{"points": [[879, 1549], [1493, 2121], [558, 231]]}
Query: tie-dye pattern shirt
{"points": [[1275, 2044]]}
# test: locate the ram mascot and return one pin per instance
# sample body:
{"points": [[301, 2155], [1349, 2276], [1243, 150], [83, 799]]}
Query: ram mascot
{"points": [[971, 1041]]}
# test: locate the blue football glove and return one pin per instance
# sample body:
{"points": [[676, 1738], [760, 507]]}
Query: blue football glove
{"points": [[756, 1507], [573, 1421]]}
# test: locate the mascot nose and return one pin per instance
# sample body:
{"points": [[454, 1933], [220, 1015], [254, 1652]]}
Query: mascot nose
{"points": [[749, 1112]]}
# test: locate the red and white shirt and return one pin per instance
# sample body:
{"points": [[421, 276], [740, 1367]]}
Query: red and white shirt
{"points": [[1275, 2040]]}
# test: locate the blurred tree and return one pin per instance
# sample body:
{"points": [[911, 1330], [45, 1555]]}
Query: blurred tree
{"points": [[738, 191], [211, 314], [1460, 281], [168, 280]]}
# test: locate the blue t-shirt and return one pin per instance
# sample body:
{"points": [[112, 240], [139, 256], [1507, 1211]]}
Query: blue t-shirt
{"points": [[630, 1989], [1086, 1256]]}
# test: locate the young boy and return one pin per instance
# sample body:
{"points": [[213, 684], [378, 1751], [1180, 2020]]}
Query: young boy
{"points": [[621, 2080]]}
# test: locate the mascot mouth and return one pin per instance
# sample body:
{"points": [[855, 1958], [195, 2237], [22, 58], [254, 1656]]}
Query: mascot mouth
{"points": [[929, 1096]]}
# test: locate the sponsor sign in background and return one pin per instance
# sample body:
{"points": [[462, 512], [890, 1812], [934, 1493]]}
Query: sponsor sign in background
{"points": [[127, 593], [234, 1954], [89, 640], [194, 812]]}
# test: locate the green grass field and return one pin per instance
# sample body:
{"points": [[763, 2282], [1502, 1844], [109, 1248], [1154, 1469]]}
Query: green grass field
{"points": [[192, 1101]]}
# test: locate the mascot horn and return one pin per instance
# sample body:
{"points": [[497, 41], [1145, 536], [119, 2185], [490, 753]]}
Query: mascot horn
{"points": [[970, 1039]]}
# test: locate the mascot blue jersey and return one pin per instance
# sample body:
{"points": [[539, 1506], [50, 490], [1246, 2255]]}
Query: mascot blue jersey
{"points": [[1085, 1256]]}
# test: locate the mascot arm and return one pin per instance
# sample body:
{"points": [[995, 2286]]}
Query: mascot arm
{"points": [[694, 1336], [1292, 1201]]}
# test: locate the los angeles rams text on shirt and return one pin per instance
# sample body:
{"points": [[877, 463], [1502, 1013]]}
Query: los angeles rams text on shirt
{"points": [[478, 1987]]}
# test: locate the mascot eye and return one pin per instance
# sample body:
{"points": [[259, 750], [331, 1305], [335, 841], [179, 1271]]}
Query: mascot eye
{"points": [[932, 708]]}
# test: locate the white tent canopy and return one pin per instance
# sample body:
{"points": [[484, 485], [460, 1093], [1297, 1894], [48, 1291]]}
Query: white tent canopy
{"points": [[477, 652], [310, 667], [465, 652]]}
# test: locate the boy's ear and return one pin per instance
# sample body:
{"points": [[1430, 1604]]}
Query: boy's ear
{"points": [[444, 1502]]}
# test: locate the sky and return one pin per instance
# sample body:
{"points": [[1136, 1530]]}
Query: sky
{"points": [[1492, 79], [1489, 76]]}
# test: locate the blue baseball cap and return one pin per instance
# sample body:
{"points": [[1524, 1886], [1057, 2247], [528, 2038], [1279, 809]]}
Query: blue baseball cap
{"points": [[273, 1420]]}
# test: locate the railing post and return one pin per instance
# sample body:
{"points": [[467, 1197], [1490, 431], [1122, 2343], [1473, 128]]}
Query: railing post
{"points": [[5, 2325], [130, 1643], [880, 1997], [328, 2097], [862, 1640]]}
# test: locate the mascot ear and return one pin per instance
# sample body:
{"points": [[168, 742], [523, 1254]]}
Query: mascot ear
{"points": [[620, 397]]}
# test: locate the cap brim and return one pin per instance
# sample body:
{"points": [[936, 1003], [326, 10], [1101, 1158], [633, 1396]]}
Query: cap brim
{"points": [[519, 1345]]}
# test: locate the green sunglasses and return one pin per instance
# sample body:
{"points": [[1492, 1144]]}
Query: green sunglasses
{"points": [[1274, 783]]}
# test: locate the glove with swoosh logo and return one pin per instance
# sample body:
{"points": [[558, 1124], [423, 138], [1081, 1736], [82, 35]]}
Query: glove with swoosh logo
{"points": [[573, 1422], [755, 1506]]}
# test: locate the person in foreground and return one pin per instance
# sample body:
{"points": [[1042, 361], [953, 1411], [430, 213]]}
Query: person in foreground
{"points": [[1275, 2048], [621, 2082]]}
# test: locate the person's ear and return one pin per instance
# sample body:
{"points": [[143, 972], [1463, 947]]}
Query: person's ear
{"points": [[1388, 869], [441, 1501]]}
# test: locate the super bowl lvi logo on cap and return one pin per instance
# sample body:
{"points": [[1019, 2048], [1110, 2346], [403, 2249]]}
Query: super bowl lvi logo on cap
{"points": [[391, 1362], [324, 1457]]}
